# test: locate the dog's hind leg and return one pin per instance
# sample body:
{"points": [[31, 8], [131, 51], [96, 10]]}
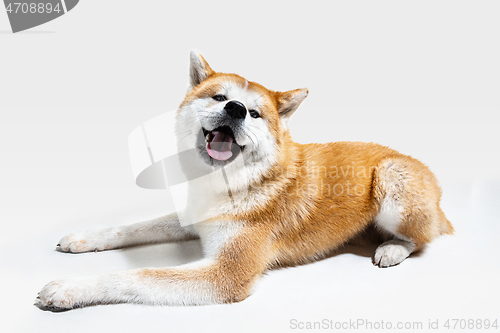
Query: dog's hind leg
{"points": [[163, 229], [408, 196]]}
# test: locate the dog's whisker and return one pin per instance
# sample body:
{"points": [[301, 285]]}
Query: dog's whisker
{"points": [[258, 129]]}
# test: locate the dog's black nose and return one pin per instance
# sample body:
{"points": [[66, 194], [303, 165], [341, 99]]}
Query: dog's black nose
{"points": [[235, 109]]}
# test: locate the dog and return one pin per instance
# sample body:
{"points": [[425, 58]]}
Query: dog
{"points": [[288, 203]]}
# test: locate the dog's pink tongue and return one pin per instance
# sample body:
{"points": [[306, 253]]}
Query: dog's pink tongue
{"points": [[220, 146]]}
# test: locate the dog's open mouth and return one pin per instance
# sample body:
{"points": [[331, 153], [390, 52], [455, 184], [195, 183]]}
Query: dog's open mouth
{"points": [[220, 142]]}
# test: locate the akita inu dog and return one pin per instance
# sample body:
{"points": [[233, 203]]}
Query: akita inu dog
{"points": [[299, 203]]}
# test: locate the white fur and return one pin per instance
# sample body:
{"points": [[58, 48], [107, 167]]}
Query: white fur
{"points": [[162, 229], [390, 215], [392, 252], [215, 235], [130, 287]]}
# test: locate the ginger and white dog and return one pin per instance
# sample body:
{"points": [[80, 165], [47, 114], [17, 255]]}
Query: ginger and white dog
{"points": [[290, 203]]}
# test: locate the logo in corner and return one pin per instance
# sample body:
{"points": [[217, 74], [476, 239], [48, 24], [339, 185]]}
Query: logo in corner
{"points": [[25, 15]]}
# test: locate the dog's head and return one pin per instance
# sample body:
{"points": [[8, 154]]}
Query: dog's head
{"points": [[226, 116]]}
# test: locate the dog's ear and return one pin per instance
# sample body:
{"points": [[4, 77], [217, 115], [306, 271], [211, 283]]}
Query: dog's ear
{"points": [[289, 101], [199, 70]]}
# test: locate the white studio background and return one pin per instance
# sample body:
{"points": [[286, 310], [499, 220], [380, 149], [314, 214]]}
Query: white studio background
{"points": [[421, 77]]}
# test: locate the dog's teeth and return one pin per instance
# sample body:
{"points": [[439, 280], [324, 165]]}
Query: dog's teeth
{"points": [[207, 138]]}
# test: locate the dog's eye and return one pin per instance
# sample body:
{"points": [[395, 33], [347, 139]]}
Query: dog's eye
{"points": [[254, 114], [220, 98]]}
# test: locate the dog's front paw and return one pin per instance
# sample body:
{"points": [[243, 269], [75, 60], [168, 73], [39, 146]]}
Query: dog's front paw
{"points": [[83, 242], [75, 243], [61, 295]]}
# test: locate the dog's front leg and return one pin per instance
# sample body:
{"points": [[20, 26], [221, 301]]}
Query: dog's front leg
{"points": [[163, 229], [227, 276]]}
